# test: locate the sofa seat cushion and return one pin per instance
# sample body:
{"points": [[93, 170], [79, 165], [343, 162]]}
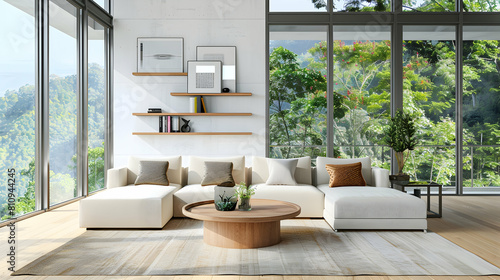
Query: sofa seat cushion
{"points": [[309, 198], [371, 203], [189, 194], [144, 206]]}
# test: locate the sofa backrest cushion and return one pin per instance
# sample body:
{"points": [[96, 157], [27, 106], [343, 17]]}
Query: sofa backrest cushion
{"points": [[196, 169], [174, 172], [323, 177], [260, 170]]}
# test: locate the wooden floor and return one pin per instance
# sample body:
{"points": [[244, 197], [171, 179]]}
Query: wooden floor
{"points": [[472, 222]]}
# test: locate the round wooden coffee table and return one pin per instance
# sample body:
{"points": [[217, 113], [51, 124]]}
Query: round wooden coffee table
{"points": [[259, 227]]}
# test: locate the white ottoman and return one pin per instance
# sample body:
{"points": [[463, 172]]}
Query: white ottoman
{"points": [[373, 208], [143, 206]]}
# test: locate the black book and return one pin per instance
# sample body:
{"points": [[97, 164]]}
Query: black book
{"points": [[161, 124], [154, 110]]}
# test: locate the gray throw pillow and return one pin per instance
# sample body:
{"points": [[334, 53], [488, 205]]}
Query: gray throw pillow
{"points": [[218, 173], [152, 173]]}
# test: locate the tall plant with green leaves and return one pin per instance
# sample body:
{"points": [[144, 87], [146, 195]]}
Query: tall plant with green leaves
{"points": [[400, 135]]}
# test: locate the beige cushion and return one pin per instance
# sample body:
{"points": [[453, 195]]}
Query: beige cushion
{"points": [[218, 173], [152, 173], [197, 168], [260, 170], [345, 175], [324, 178], [174, 172]]}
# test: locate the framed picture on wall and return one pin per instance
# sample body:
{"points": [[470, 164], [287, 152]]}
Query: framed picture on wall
{"points": [[160, 55], [228, 57], [204, 76]]}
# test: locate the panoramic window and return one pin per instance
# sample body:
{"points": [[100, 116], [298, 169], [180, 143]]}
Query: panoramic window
{"points": [[361, 91], [481, 116], [429, 97], [481, 5], [361, 6], [17, 107], [297, 91], [429, 5], [63, 95], [96, 105], [297, 5]]}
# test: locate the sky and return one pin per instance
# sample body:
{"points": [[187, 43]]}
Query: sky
{"points": [[17, 50]]}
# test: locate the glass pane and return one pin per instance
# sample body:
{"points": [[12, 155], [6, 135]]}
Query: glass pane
{"points": [[297, 91], [429, 96], [63, 101], [297, 5], [361, 6], [17, 107], [481, 5], [103, 3], [429, 5], [96, 105], [362, 91], [481, 100]]}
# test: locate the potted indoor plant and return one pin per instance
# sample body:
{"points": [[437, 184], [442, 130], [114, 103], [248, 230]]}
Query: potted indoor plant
{"points": [[244, 194], [400, 135]]}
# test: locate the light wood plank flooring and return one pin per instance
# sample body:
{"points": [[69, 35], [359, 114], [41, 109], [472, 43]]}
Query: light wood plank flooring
{"points": [[472, 222]]}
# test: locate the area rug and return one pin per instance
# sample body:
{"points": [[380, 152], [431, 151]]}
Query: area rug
{"points": [[308, 247]]}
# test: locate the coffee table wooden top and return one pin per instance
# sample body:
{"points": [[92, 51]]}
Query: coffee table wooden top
{"points": [[263, 210]]}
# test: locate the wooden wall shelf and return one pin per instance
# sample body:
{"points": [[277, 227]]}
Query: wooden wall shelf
{"points": [[159, 74], [192, 114], [191, 133], [212, 94]]}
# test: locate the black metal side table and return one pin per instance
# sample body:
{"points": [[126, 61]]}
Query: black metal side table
{"points": [[431, 214]]}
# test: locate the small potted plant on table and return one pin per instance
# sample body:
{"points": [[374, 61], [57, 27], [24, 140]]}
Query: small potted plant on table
{"points": [[244, 194], [400, 135]]}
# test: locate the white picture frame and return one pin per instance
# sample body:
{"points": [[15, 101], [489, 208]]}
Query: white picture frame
{"points": [[226, 54], [204, 76], [160, 55]]}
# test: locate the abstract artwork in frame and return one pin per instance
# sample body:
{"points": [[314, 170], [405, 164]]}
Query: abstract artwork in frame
{"points": [[228, 57], [160, 55], [204, 76]]}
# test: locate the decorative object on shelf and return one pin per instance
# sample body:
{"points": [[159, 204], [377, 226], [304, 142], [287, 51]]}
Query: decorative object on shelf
{"points": [[175, 124], [400, 136], [227, 55], [224, 198], [160, 55], [204, 76], [185, 127], [154, 110], [225, 89], [244, 193]]}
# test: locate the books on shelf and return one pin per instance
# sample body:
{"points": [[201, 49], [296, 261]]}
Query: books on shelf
{"points": [[197, 105]]}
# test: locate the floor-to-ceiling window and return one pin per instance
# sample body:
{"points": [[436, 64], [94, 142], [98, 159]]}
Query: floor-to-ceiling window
{"points": [[54, 93], [96, 107], [481, 109], [361, 91], [63, 100], [17, 107], [429, 96], [431, 59], [297, 91]]}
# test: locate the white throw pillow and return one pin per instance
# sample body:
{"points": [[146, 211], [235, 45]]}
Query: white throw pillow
{"points": [[281, 171]]}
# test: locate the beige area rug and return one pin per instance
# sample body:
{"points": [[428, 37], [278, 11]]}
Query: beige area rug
{"points": [[309, 247]]}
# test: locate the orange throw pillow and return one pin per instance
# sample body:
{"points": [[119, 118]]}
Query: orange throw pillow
{"points": [[345, 175]]}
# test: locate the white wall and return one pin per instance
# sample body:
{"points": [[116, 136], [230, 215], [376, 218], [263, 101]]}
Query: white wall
{"points": [[201, 23]]}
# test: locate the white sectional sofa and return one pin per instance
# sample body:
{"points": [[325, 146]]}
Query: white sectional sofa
{"points": [[375, 206], [124, 205]]}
